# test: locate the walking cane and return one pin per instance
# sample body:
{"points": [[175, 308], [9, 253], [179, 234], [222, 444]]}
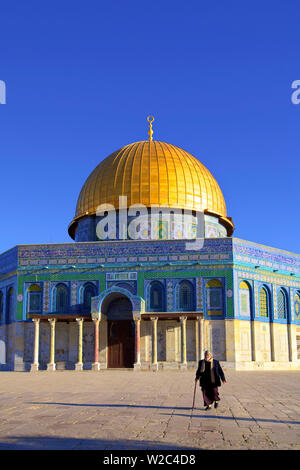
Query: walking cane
{"points": [[194, 396]]}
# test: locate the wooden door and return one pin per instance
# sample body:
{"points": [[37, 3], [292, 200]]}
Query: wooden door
{"points": [[121, 343]]}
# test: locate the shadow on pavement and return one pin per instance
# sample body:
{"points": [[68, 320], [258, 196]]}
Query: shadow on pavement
{"points": [[112, 405], [207, 415], [65, 443], [235, 418]]}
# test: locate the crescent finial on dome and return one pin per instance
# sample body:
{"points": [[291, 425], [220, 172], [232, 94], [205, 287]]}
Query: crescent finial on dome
{"points": [[150, 119]]}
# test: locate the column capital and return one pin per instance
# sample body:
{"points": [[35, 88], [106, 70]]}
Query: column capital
{"points": [[153, 318], [52, 321], [79, 320], [96, 316], [136, 315], [183, 319], [36, 320]]}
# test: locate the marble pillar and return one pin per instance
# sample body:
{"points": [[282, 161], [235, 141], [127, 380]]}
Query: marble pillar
{"points": [[154, 343], [79, 363], [137, 364], [183, 364], [51, 366], [202, 338], [96, 363], [35, 365], [197, 345]]}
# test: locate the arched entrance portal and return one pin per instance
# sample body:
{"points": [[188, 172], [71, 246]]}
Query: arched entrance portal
{"points": [[120, 331]]}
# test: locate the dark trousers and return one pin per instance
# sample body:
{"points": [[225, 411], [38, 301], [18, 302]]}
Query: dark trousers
{"points": [[210, 394]]}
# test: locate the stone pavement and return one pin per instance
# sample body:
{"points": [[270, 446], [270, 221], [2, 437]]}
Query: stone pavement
{"points": [[121, 409]]}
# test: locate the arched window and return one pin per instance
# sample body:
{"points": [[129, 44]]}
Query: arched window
{"points": [[1, 306], [34, 301], [244, 295], [62, 298], [297, 305], [264, 302], [186, 295], [9, 305], [214, 297], [89, 291], [282, 304], [157, 297]]}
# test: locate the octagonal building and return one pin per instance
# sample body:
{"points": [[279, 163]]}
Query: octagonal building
{"points": [[151, 278]]}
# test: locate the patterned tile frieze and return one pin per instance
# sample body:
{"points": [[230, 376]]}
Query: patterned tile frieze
{"points": [[170, 297], [46, 296], [92, 252], [256, 299], [199, 294], [8, 261], [268, 277], [172, 251], [268, 257], [274, 291], [74, 290]]}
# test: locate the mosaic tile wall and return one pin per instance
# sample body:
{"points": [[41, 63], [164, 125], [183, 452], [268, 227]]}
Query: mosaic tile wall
{"points": [[118, 252], [165, 259], [8, 261], [257, 278], [265, 257]]}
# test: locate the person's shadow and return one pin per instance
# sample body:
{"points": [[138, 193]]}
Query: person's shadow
{"points": [[193, 412]]}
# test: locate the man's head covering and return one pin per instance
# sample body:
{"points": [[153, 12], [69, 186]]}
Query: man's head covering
{"points": [[210, 359]]}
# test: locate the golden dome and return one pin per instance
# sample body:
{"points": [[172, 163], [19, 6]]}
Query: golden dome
{"points": [[152, 173]]}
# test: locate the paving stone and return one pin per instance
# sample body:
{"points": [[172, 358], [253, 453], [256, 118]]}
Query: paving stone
{"points": [[128, 410]]}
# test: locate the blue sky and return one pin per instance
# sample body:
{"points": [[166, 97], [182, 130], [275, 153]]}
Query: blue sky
{"points": [[81, 77]]}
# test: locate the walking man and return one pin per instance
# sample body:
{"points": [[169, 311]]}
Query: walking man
{"points": [[210, 374]]}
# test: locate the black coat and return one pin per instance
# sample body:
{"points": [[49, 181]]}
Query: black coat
{"points": [[218, 372]]}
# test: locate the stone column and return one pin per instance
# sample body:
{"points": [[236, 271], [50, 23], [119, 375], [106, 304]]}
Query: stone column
{"points": [[96, 364], [137, 364], [52, 366], [202, 338], [154, 343], [183, 364], [253, 346], [35, 365], [272, 348], [291, 350], [79, 363], [197, 328]]}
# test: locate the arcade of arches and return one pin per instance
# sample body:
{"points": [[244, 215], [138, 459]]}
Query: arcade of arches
{"points": [[120, 339]]}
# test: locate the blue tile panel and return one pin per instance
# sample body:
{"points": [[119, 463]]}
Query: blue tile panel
{"points": [[228, 259]]}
